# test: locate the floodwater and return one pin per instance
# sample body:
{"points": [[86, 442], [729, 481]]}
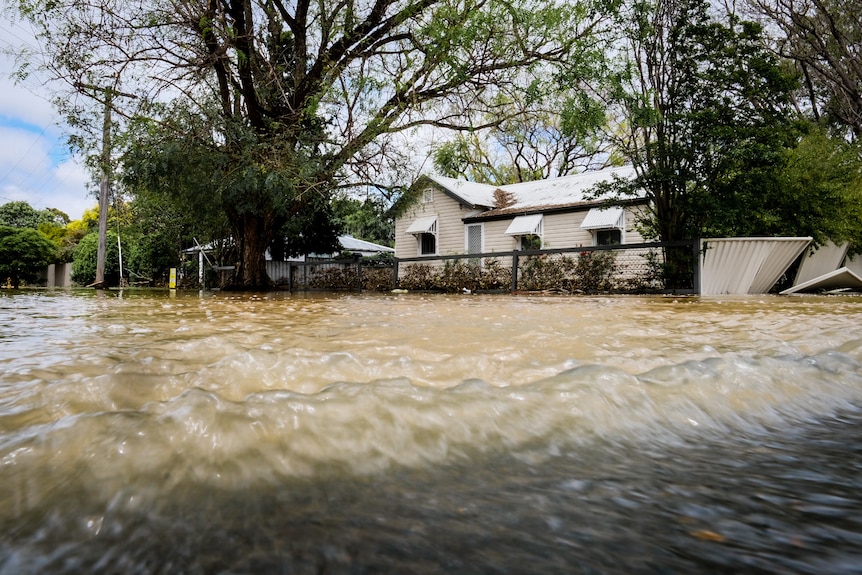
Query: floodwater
{"points": [[147, 432]]}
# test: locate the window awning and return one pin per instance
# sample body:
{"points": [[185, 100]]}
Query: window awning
{"points": [[604, 218], [525, 225], [423, 225]]}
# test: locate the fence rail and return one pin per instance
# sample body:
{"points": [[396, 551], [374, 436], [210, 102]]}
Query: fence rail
{"points": [[658, 267], [352, 274]]}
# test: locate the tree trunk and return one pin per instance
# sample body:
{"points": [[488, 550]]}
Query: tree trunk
{"points": [[254, 234]]}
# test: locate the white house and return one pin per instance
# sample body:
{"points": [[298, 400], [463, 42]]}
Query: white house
{"points": [[453, 216]]}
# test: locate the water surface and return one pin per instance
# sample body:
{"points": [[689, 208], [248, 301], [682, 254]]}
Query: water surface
{"points": [[152, 432]]}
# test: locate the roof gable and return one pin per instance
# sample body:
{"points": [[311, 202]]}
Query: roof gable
{"points": [[472, 194]]}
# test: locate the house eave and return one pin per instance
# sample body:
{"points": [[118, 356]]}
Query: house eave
{"points": [[508, 213]]}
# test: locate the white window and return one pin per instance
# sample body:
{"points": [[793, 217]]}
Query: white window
{"points": [[425, 230], [427, 196], [474, 238]]}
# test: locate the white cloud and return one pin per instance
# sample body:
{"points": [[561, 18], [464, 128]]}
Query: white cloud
{"points": [[35, 166]]}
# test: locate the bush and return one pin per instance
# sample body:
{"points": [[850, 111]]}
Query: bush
{"points": [[590, 272], [594, 271], [84, 260], [544, 272], [419, 277], [23, 251], [456, 276], [377, 279]]}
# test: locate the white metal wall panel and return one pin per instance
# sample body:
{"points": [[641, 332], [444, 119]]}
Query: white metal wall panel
{"points": [[746, 265], [826, 259], [854, 264], [784, 253]]}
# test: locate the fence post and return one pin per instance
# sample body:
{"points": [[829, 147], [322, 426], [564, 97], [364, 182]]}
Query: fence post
{"points": [[696, 266], [358, 259], [515, 270], [395, 273]]}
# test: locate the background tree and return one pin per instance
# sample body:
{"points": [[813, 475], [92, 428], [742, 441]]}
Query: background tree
{"points": [[820, 191], [286, 101], [823, 39], [22, 215], [705, 112], [365, 219], [84, 260], [552, 130], [23, 252]]}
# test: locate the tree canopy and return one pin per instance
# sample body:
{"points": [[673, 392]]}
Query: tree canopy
{"points": [[22, 215], [706, 114], [280, 101], [823, 40], [23, 251]]}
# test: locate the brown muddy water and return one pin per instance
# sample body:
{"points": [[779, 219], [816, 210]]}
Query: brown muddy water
{"points": [[147, 432]]}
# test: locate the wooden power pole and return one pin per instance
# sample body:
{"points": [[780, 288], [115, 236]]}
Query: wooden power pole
{"points": [[104, 189]]}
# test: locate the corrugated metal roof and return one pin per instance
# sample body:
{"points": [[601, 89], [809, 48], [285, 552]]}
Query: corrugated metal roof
{"points": [[473, 193], [746, 265], [564, 190], [525, 225], [352, 244], [532, 196], [603, 218]]}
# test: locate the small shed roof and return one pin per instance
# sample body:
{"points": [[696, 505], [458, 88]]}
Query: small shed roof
{"points": [[352, 244]]}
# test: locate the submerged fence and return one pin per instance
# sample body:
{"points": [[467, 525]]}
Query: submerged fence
{"points": [[661, 267], [354, 274]]}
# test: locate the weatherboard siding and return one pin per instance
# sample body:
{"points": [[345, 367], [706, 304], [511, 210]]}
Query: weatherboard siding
{"points": [[560, 230]]}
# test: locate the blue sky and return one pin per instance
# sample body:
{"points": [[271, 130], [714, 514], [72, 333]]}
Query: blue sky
{"points": [[35, 165]]}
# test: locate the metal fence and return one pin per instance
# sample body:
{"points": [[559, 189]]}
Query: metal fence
{"points": [[661, 267], [352, 274], [665, 267]]}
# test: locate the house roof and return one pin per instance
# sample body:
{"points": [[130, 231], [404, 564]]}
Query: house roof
{"points": [[471, 193], [352, 244], [561, 192]]}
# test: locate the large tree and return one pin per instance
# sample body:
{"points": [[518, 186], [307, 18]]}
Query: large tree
{"points": [[20, 214], [705, 109], [275, 102]]}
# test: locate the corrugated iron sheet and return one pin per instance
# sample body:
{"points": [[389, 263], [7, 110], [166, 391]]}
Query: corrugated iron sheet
{"points": [[746, 265], [525, 225], [603, 218], [827, 258]]}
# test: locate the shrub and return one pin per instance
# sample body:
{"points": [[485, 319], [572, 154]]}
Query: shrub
{"points": [[418, 277], [544, 272], [85, 256], [456, 275], [594, 271]]}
